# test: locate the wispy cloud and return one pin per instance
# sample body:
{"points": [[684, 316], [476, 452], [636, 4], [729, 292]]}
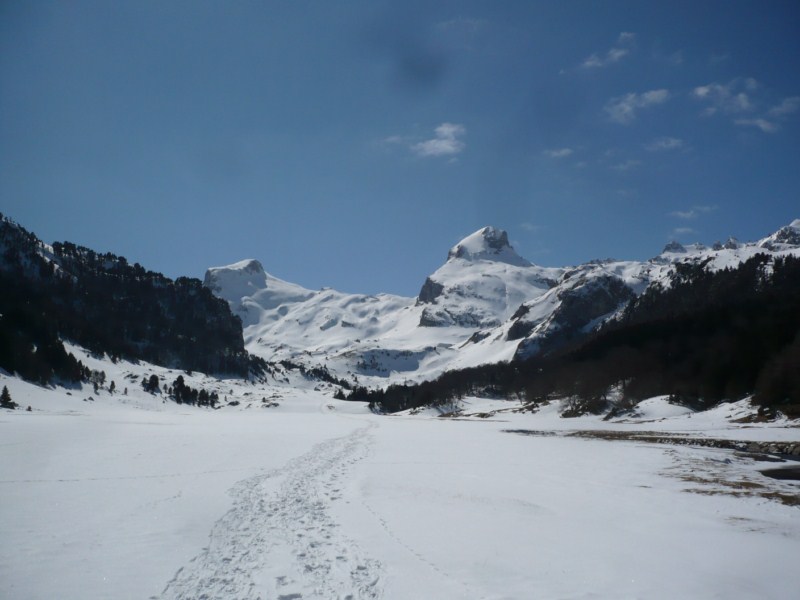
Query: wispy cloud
{"points": [[716, 59], [395, 139], [771, 121], [762, 124], [739, 97], [461, 33], [447, 141], [613, 55], [734, 97], [623, 109], [676, 58], [693, 212], [786, 107], [530, 227], [558, 152], [620, 50], [663, 143], [627, 165], [462, 25], [683, 231]]}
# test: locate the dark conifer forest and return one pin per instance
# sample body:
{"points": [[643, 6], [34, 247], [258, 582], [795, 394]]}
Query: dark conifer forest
{"points": [[106, 305]]}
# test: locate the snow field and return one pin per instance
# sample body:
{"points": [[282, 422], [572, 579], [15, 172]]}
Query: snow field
{"points": [[130, 497]]}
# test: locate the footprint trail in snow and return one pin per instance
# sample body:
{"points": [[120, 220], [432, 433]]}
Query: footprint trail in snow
{"points": [[284, 544]]}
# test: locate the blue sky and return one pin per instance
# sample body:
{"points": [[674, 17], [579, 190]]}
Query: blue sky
{"points": [[350, 144]]}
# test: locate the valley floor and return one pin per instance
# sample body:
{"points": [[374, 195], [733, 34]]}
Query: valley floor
{"points": [[320, 499]]}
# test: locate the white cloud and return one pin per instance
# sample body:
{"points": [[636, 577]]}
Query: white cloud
{"points": [[762, 124], [446, 141], [614, 55], [732, 98], [394, 139], [663, 143], [530, 227], [693, 212], [623, 108], [558, 152], [786, 107], [737, 97], [627, 165]]}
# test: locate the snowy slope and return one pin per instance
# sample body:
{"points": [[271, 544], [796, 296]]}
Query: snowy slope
{"points": [[484, 304], [250, 291]]}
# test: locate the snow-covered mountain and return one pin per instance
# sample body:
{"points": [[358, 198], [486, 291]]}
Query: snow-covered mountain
{"points": [[485, 304], [382, 337], [482, 283]]}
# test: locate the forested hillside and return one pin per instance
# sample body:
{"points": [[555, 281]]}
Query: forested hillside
{"points": [[707, 337], [108, 306]]}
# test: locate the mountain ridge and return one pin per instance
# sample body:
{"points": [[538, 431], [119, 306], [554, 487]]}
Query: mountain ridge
{"points": [[484, 304]]}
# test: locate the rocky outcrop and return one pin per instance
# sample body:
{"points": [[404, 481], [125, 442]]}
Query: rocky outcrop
{"points": [[579, 309], [674, 247], [430, 291]]}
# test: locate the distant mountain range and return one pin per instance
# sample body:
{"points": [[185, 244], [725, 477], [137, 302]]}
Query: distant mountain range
{"points": [[485, 304]]}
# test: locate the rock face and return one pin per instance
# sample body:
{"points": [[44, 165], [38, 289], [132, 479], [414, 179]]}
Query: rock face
{"points": [[572, 309], [674, 248], [430, 291], [732, 243]]}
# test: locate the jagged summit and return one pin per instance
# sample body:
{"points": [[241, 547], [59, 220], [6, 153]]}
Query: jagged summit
{"points": [[785, 238], [489, 243], [674, 248]]}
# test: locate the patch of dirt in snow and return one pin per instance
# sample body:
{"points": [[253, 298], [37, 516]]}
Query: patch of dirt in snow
{"points": [[285, 544], [720, 473]]}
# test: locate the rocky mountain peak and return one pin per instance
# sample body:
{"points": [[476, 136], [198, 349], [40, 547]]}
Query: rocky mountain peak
{"points": [[489, 243], [786, 237], [243, 276], [674, 247]]}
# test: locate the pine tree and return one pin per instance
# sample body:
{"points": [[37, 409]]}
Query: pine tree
{"points": [[5, 399]]}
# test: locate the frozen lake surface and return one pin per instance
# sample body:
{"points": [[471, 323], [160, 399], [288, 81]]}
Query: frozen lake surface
{"points": [[321, 499]]}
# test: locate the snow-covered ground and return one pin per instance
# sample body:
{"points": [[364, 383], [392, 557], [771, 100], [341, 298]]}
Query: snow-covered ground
{"points": [[129, 496]]}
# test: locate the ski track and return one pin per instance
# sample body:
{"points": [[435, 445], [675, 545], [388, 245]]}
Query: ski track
{"points": [[284, 545]]}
